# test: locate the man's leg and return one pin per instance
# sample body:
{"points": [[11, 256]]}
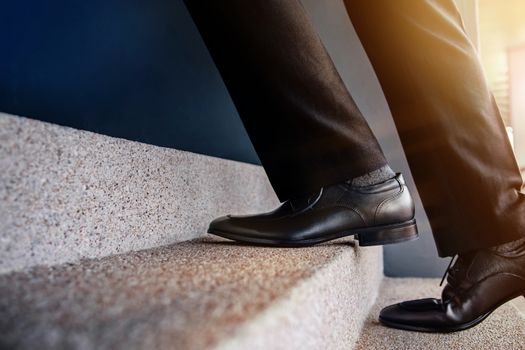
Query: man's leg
{"points": [[306, 129], [448, 122], [303, 123], [459, 154]]}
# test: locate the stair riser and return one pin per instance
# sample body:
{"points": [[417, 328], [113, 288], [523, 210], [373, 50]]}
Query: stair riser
{"points": [[67, 194], [326, 311]]}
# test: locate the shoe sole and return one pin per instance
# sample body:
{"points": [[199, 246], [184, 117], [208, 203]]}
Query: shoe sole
{"points": [[368, 236], [450, 329]]}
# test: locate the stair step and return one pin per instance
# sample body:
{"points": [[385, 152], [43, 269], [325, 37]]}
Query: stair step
{"points": [[68, 194], [504, 329], [208, 293]]}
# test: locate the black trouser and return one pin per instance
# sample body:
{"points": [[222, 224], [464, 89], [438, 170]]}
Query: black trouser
{"points": [[308, 132]]}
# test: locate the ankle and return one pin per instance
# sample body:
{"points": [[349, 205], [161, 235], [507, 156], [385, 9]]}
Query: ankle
{"points": [[374, 177]]}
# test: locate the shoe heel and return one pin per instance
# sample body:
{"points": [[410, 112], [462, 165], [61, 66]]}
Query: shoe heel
{"points": [[389, 235]]}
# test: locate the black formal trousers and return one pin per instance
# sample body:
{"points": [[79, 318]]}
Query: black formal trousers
{"points": [[308, 132]]}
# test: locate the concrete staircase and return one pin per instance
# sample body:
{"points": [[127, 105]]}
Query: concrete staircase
{"points": [[103, 246], [68, 194], [203, 294]]}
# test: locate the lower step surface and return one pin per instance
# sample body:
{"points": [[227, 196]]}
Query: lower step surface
{"points": [[201, 294], [503, 329]]}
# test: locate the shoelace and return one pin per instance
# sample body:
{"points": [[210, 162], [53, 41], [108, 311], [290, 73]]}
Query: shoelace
{"points": [[447, 271]]}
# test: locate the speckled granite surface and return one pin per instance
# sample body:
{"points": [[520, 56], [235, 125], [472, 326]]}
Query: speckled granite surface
{"points": [[504, 329], [209, 293], [519, 303], [67, 194]]}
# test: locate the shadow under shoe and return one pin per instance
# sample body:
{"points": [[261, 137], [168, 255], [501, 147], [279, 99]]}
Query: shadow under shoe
{"points": [[478, 283], [379, 214]]}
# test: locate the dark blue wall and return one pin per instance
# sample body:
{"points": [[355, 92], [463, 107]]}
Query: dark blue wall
{"points": [[139, 70], [132, 69]]}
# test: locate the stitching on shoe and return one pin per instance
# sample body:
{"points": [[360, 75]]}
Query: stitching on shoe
{"points": [[386, 200], [309, 206], [355, 210], [486, 278]]}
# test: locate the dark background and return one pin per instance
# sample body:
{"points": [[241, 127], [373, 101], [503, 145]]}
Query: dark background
{"points": [[132, 69]]}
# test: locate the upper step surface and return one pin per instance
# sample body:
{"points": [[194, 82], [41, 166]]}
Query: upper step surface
{"points": [[67, 194], [202, 294]]}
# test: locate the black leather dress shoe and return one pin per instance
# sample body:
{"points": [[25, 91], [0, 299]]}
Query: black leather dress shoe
{"points": [[477, 284], [378, 214]]}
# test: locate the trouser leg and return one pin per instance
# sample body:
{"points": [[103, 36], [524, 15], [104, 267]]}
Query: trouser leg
{"points": [[303, 123], [448, 122]]}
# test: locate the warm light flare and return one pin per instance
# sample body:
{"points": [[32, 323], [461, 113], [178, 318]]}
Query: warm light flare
{"points": [[502, 51]]}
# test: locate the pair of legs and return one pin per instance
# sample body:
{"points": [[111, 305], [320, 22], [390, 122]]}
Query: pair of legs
{"points": [[309, 133]]}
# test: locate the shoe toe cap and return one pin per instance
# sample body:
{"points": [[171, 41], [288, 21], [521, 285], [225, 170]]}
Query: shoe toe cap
{"points": [[406, 311], [426, 304], [222, 223], [391, 313], [413, 314]]}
